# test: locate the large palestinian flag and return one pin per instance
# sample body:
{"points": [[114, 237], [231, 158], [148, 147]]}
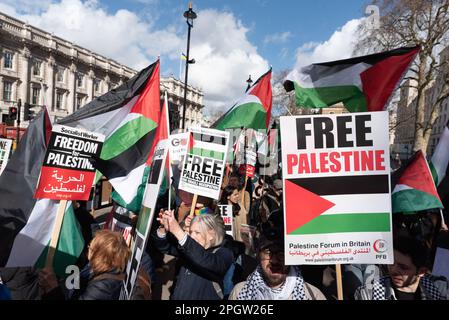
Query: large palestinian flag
{"points": [[253, 110], [361, 84], [26, 224], [415, 189], [440, 157], [128, 117]]}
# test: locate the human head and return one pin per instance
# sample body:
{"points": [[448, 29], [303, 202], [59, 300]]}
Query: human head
{"points": [[208, 230], [108, 251], [410, 260], [234, 180], [272, 260], [230, 193], [277, 185]]}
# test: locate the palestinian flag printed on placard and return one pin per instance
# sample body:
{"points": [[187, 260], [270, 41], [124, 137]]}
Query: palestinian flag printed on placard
{"points": [[26, 224], [440, 157], [206, 146], [128, 117], [253, 110], [362, 84], [415, 189], [334, 205]]}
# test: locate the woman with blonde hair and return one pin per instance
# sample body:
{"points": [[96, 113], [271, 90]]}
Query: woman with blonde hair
{"points": [[108, 255], [204, 259]]}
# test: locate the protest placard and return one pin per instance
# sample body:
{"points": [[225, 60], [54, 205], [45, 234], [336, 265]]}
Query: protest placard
{"points": [[226, 214], [336, 176], [5, 148], [204, 163], [67, 173]]}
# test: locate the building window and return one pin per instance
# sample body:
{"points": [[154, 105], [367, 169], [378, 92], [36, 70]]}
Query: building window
{"points": [[59, 100], [7, 91], [79, 80], [36, 68], [35, 96], [60, 75], [7, 60], [79, 102], [97, 84]]}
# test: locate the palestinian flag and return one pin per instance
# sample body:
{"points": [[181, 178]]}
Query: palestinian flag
{"points": [[337, 204], [128, 117], [253, 110], [415, 189], [205, 145], [361, 84], [440, 158], [26, 224]]}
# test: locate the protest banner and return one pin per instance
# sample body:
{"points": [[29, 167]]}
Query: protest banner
{"points": [[247, 233], [146, 217], [178, 147], [5, 148], [226, 214], [336, 179], [442, 255], [204, 163], [67, 173], [147, 211]]}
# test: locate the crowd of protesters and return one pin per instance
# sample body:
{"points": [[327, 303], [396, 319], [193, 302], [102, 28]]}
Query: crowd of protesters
{"points": [[211, 265]]}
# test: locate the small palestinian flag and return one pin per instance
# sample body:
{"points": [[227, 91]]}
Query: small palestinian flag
{"points": [[361, 84], [206, 146], [440, 158], [415, 189], [253, 110]]}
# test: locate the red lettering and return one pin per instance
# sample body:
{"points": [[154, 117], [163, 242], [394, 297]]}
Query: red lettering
{"points": [[356, 161], [367, 160], [336, 165], [292, 160], [313, 162], [346, 155], [324, 162], [303, 164], [380, 161]]}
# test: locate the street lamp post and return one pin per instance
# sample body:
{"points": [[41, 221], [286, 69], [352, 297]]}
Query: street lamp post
{"points": [[190, 15], [249, 82]]}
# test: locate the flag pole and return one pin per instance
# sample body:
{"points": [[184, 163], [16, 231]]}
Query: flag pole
{"points": [[339, 282], [56, 231], [192, 207], [168, 154]]}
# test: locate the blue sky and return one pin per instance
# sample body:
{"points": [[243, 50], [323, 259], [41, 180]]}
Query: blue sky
{"points": [[230, 39]]}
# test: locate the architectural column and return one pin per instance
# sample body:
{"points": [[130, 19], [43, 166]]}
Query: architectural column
{"points": [[50, 94], [90, 85], [71, 99], [107, 81], [24, 75]]}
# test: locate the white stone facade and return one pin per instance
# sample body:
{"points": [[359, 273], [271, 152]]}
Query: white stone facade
{"points": [[42, 69]]}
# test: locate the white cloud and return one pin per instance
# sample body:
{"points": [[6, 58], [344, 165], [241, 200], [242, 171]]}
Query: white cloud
{"points": [[224, 58], [339, 46], [277, 37]]}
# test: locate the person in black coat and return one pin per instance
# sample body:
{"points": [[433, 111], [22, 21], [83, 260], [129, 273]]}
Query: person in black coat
{"points": [[204, 259], [108, 254]]}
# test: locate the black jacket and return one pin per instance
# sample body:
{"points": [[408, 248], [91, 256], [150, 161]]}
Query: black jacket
{"points": [[106, 286], [200, 268]]}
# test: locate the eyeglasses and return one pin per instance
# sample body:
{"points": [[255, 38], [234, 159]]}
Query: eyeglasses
{"points": [[268, 254]]}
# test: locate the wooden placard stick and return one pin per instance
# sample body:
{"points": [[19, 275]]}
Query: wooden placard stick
{"points": [[192, 207], [339, 282], [56, 231]]}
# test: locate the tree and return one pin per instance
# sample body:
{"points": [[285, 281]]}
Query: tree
{"points": [[409, 23]]}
